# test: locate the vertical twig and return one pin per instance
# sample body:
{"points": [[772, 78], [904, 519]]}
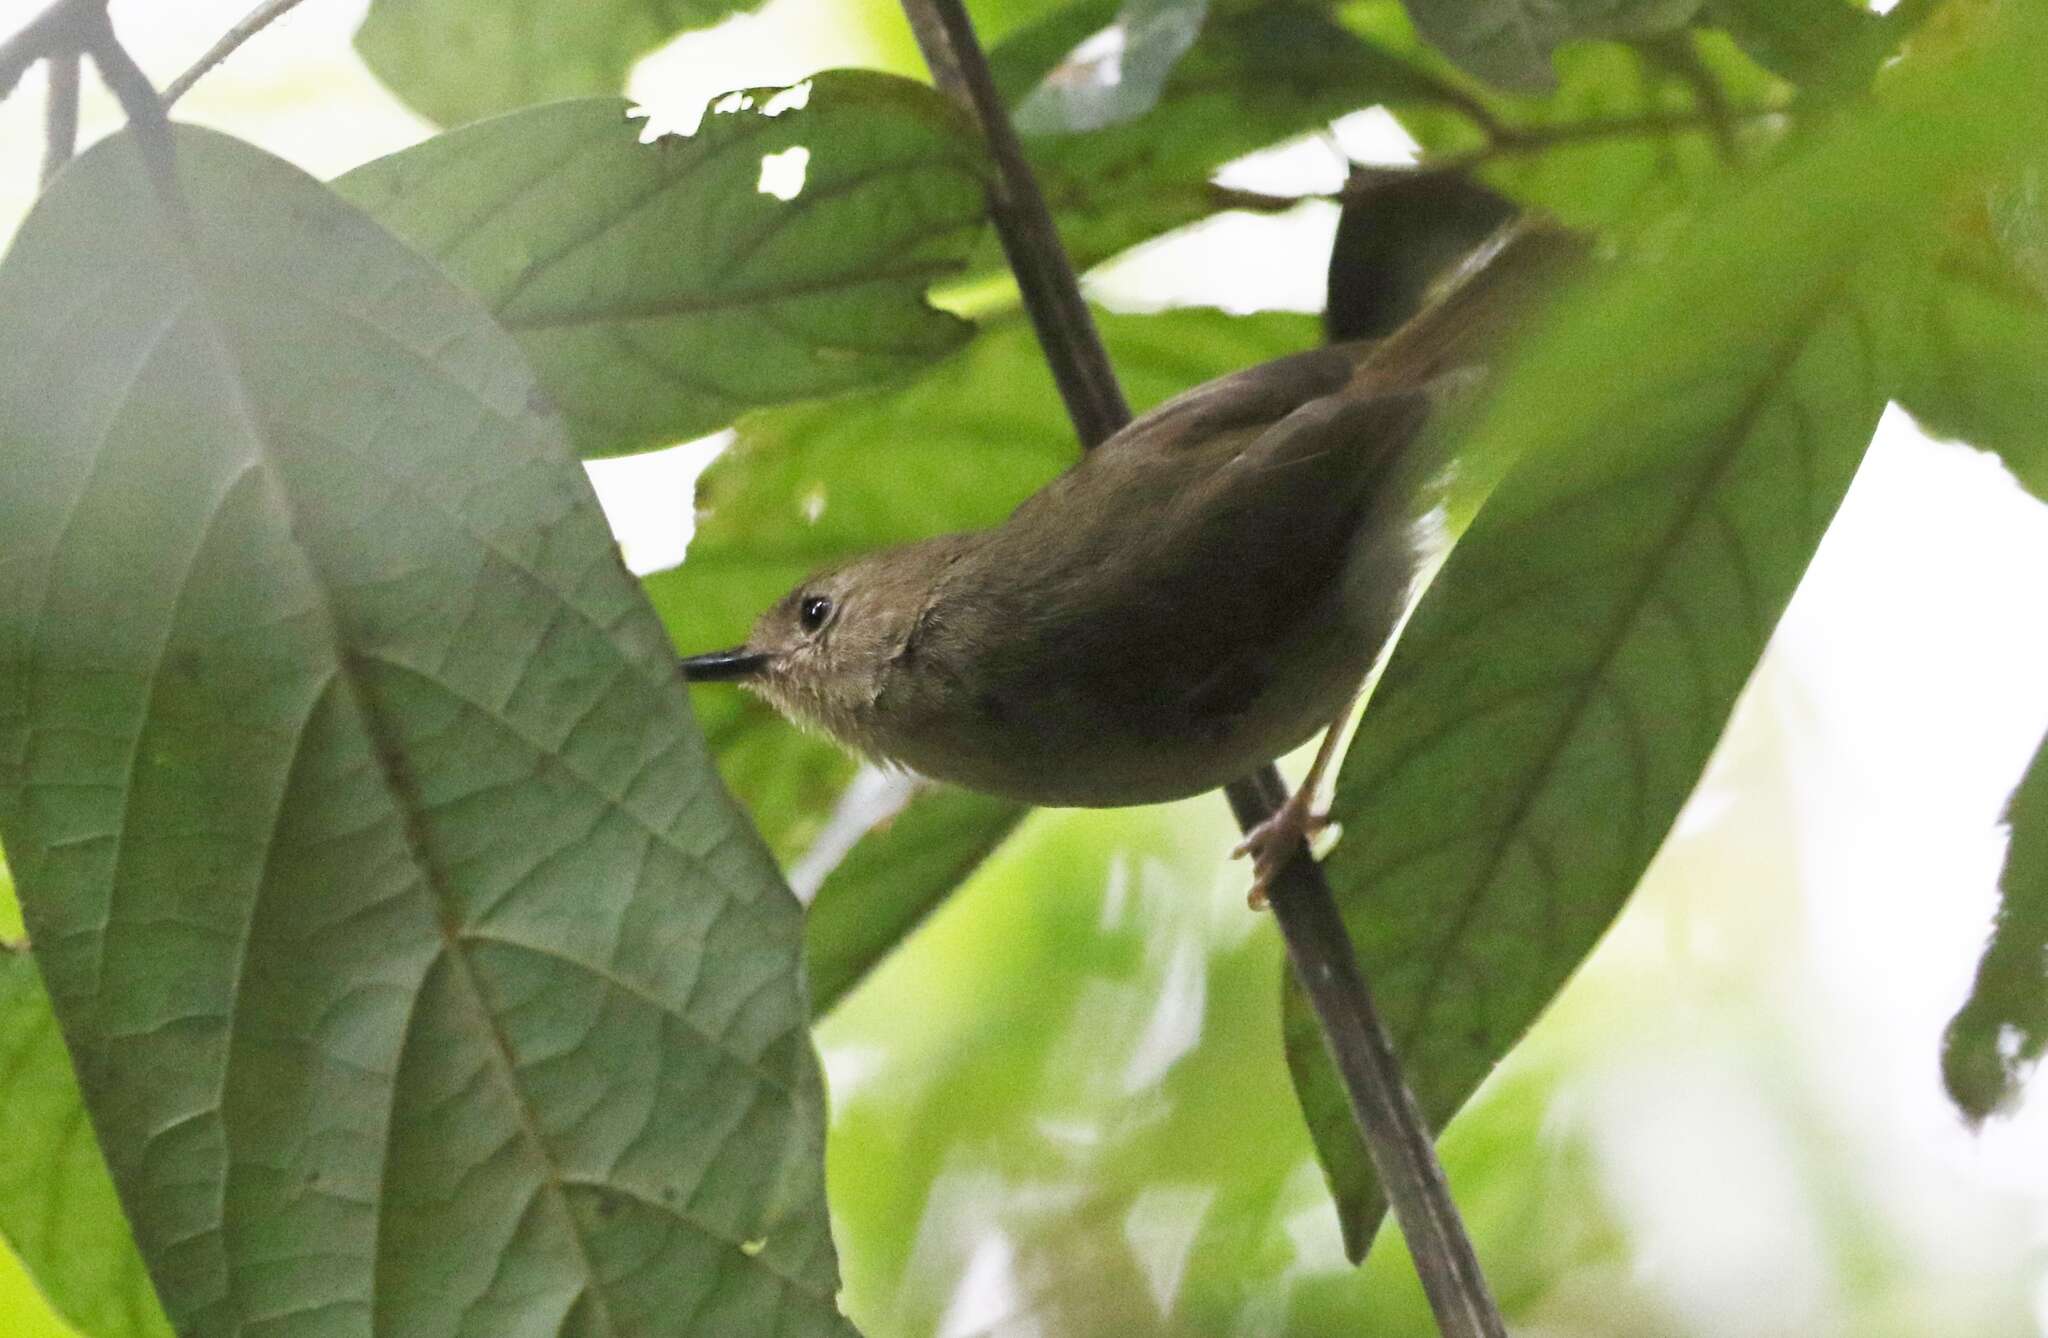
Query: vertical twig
{"points": [[1317, 943], [145, 110], [1052, 296], [61, 117]]}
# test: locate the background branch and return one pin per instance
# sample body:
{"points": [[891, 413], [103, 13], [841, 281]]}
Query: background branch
{"points": [[61, 116], [1318, 945], [64, 33], [254, 22]]}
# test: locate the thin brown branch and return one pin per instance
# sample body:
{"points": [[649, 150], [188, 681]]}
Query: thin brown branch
{"points": [[252, 23], [61, 115], [145, 111], [1318, 945], [1051, 294]]}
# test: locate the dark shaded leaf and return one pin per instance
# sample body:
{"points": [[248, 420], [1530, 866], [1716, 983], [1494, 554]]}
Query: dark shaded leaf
{"points": [[812, 484], [58, 1212], [893, 879], [1258, 75], [1123, 79], [1508, 42], [661, 289], [1998, 1035], [459, 60], [1800, 40], [418, 973], [1683, 434]]}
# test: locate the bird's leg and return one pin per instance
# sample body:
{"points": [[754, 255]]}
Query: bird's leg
{"points": [[1272, 841]]}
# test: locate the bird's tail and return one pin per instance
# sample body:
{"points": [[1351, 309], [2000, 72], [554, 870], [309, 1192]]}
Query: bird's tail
{"points": [[1480, 304]]}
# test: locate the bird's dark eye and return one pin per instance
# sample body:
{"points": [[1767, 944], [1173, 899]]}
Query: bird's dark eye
{"points": [[813, 612]]}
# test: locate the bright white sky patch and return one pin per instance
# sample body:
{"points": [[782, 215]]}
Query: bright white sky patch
{"points": [[793, 98], [782, 174]]}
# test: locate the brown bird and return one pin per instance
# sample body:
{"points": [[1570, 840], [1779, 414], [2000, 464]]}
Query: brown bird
{"points": [[1196, 596]]}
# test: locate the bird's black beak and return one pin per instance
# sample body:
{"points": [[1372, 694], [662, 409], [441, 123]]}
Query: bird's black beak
{"points": [[723, 665]]}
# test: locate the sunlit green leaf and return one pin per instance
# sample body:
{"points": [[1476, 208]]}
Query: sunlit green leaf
{"points": [[418, 973], [1561, 687], [812, 484], [10, 909], [459, 60], [1683, 433], [58, 1212], [661, 289], [1999, 1034]]}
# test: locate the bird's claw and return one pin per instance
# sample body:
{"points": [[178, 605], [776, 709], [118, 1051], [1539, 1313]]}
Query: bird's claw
{"points": [[1271, 843]]}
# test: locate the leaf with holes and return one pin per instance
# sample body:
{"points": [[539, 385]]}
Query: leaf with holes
{"points": [[2000, 1032], [419, 976], [659, 290], [58, 1212], [1679, 438], [458, 60]]}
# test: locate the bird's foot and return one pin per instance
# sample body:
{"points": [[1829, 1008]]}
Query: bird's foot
{"points": [[1271, 843]]}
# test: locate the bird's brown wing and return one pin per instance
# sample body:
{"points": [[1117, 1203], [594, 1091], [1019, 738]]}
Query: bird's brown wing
{"points": [[1199, 584]]}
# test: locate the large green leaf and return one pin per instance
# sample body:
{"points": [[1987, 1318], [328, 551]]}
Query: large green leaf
{"points": [[1683, 435], [2001, 1030], [419, 975], [458, 60], [58, 1212], [661, 289]]}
